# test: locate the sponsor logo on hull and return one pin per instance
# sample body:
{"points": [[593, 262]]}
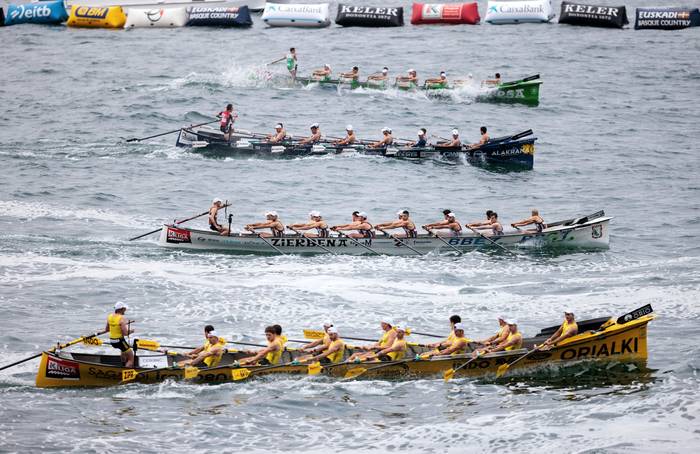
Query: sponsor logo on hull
{"points": [[62, 369], [178, 236]]}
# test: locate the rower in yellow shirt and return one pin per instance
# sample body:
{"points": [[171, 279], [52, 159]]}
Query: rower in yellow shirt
{"points": [[393, 352], [212, 352], [332, 354], [118, 328], [500, 336], [513, 341], [269, 355], [368, 351], [319, 344], [567, 329], [458, 346], [454, 319], [280, 336]]}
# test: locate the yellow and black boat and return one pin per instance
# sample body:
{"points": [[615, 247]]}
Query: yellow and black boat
{"points": [[621, 339]]}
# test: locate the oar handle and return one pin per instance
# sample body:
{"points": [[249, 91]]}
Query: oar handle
{"points": [[137, 139]]}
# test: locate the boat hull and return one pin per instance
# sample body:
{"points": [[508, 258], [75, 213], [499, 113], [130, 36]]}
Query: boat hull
{"points": [[592, 234]]}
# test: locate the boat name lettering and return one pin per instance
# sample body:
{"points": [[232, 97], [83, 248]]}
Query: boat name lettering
{"points": [[62, 369], [309, 242], [470, 241], [177, 236], [347, 9], [518, 93], [591, 10], [627, 346], [29, 11], [634, 315], [104, 374], [508, 151], [91, 12]]}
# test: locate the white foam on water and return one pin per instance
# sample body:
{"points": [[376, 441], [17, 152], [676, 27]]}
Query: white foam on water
{"points": [[25, 211]]}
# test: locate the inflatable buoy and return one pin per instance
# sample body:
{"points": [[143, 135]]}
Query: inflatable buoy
{"points": [[36, 13], [516, 12], [219, 16], [296, 15], [156, 17], [445, 13], [369, 16], [661, 18], [593, 15], [96, 16]]}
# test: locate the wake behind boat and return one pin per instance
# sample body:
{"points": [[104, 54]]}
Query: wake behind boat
{"points": [[587, 232]]}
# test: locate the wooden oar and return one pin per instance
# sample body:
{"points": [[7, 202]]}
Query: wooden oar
{"points": [[148, 344], [341, 235], [259, 235], [175, 223], [243, 372], [316, 334], [449, 373], [58, 347], [503, 368], [357, 371], [441, 239], [399, 240], [490, 240], [136, 139], [309, 238]]}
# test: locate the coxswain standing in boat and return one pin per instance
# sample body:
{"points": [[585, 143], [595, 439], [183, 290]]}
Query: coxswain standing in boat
{"points": [[500, 336], [569, 328], [422, 141], [317, 223], [292, 62], [483, 140], [450, 226], [349, 138], [454, 143], [411, 78], [354, 74], [211, 353], [118, 328], [315, 136], [383, 75], [359, 223], [495, 81], [279, 136], [214, 225], [535, 219], [437, 80], [332, 354], [513, 341], [269, 355], [458, 345], [273, 223], [228, 117], [387, 140], [320, 344], [323, 73], [404, 222], [385, 341]]}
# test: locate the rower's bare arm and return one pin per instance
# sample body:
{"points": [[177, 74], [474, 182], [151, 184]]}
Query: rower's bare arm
{"points": [[556, 335]]}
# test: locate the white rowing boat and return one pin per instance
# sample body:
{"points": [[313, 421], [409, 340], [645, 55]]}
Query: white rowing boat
{"points": [[588, 232]]}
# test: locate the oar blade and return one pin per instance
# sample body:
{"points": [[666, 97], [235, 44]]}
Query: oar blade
{"points": [[146, 344], [314, 368], [191, 372], [313, 334], [128, 375], [502, 369], [355, 372], [449, 373], [240, 374]]}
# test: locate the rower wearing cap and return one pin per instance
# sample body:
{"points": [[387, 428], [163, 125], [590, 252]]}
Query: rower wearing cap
{"points": [[458, 345], [315, 136], [359, 223], [393, 350], [569, 328], [483, 140], [454, 319], [323, 73], [354, 74], [513, 341], [316, 223], [193, 354], [269, 355], [383, 75], [333, 353], [228, 117], [349, 138], [387, 140], [385, 341], [118, 328], [279, 135], [422, 141], [500, 336], [211, 353], [323, 342], [273, 223], [454, 143], [437, 80], [410, 78], [404, 222], [535, 219], [214, 225], [450, 226]]}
